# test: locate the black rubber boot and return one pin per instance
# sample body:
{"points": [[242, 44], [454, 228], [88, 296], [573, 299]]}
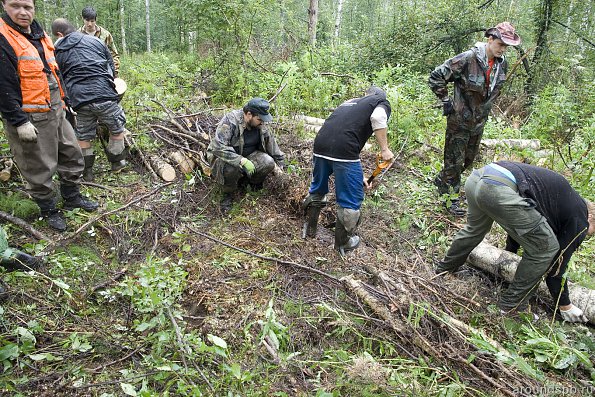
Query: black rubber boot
{"points": [[51, 214], [74, 199], [119, 166], [88, 172], [226, 203], [55, 219], [21, 261]]}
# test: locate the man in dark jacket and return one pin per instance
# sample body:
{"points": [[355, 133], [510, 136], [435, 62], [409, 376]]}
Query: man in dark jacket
{"points": [[32, 102], [88, 71], [541, 212], [478, 76], [336, 151]]}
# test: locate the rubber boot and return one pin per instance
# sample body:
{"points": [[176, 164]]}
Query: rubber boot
{"points": [[226, 202], [53, 217], [88, 172], [118, 161], [74, 199], [345, 237], [312, 205], [20, 261]]}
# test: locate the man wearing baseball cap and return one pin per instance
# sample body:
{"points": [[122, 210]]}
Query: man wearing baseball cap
{"points": [[243, 149], [477, 75]]}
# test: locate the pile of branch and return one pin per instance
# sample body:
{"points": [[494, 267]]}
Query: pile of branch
{"points": [[185, 139], [421, 315]]}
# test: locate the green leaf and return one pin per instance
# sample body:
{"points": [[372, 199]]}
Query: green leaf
{"points": [[9, 351], [45, 356], [565, 361], [128, 389], [217, 341]]}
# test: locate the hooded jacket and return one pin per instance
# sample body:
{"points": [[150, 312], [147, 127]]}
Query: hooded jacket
{"points": [[87, 67], [473, 98]]}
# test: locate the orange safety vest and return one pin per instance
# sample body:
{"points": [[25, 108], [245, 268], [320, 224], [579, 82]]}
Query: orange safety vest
{"points": [[35, 89]]}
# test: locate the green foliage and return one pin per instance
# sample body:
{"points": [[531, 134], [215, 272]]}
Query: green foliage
{"points": [[14, 203]]}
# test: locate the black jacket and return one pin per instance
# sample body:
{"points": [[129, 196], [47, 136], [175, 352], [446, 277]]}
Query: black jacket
{"points": [[87, 67], [344, 134], [565, 211]]}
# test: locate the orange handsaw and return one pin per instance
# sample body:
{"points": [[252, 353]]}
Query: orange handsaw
{"points": [[381, 167]]}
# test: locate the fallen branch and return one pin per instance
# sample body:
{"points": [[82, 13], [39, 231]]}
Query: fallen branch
{"points": [[131, 142], [78, 231], [24, 225], [116, 277]]}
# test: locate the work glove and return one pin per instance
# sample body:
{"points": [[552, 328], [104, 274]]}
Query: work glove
{"points": [[27, 132], [447, 106], [574, 315], [248, 166]]}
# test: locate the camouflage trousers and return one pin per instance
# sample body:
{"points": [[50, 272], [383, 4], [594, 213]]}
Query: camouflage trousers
{"points": [[460, 149], [231, 175]]}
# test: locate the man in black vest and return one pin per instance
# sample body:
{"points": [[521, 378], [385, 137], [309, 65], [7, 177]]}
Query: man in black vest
{"points": [[336, 151]]}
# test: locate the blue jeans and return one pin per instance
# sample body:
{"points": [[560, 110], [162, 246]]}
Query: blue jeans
{"points": [[349, 186]]}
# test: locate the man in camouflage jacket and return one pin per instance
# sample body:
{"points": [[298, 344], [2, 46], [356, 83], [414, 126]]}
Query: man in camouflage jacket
{"points": [[478, 75], [243, 148]]}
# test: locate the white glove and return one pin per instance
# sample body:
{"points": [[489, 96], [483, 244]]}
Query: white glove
{"points": [[27, 132], [574, 315]]}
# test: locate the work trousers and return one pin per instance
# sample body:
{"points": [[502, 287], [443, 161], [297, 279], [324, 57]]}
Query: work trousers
{"points": [[56, 150], [488, 202], [460, 149], [263, 164]]}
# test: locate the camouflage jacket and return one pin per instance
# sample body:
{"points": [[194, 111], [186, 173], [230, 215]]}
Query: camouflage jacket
{"points": [[473, 99], [228, 142], [105, 36]]}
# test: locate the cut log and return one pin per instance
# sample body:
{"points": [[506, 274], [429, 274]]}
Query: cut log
{"points": [[6, 169], [312, 128], [163, 169], [309, 120], [533, 144], [503, 264], [185, 164]]}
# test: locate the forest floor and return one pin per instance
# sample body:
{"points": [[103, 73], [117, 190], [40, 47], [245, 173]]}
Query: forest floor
{"points": [[164, 294]]}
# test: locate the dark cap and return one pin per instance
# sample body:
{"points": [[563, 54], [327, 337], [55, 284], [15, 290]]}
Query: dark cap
{"points": [[505, 32], [260, 107]]}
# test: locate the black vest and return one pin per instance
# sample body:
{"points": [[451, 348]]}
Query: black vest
{"points": [[344, 134]]}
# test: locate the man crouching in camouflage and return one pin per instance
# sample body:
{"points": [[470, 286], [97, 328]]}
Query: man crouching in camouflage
{"points": [[243, 150], [477, 74]]}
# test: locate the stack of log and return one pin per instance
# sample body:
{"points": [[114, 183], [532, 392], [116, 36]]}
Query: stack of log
{"points": [[311, 124], [185, 139]]}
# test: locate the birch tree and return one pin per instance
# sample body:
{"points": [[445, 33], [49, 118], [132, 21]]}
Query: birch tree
{"points": [[148, 24]]}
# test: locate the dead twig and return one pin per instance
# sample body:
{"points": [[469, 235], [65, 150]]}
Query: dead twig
{"points": [[25, 226]]}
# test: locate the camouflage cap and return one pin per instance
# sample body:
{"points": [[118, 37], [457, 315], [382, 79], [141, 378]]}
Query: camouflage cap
{"points": [[260, 107], [505, 32]]}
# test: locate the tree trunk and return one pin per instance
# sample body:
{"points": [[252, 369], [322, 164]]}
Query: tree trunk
{"points": [[148, 25], [312, 21], [338, 21], [122, 27], [545, 14]]}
